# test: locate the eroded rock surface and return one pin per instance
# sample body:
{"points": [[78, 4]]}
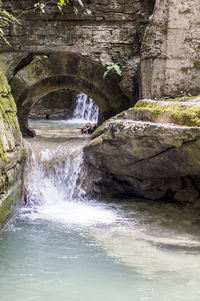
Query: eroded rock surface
{"points": [[11, 154], [146, 159]]}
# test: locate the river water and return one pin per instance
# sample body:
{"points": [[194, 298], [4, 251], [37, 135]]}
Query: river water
{"points": [[62, 246]]}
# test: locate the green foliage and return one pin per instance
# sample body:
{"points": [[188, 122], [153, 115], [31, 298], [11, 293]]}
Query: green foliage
{"points": [[183, 93], [121, 58], [184, 114], [5, 20], [110, 66], [118, 64], [43, 4]]}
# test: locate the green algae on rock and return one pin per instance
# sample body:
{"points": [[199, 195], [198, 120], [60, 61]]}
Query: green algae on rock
{"points": [[186, 113], [7, 207], [11, 153]]}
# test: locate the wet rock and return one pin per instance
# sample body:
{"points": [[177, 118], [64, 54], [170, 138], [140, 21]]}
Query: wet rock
{"points": [[88, 128], [11, 154], [189, 194], [146, 159]]}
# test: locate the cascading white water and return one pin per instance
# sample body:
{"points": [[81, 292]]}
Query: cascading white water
{"points": [[54, 192], [53, 178], [86, 109]]}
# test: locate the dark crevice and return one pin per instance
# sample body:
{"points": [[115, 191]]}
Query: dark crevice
{"points": [[156, 155], [191, 141], [150, 4], [194, 184], [164, 151], [26, 61]]}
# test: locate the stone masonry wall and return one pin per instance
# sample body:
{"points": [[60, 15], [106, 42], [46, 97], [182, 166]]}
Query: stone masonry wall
{"points": [[109, 26], [171, 50], [11, 153]]}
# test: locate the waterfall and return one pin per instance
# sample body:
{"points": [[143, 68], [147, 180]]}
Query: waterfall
{"points": [[53, 176], [53, 189], [86, 109]]}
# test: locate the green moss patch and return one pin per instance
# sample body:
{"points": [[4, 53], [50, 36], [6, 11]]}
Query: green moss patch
{"points": [[8, 108], [183, 114], [187, 116], [6, 208], [3, 154]]}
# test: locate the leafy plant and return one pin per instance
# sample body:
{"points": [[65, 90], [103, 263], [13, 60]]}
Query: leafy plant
{"points": [[119, 62], [42, 4], [111, 66], [183, 93], [5, 20]]}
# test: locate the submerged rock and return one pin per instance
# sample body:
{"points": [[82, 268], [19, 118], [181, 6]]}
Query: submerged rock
{"points": [[144, 158]]}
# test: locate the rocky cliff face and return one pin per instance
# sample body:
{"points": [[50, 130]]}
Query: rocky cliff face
{"points": [[11, 153], [150, 158]]}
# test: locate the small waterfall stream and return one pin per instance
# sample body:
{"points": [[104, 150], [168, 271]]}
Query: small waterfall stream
{"points": [[86, 109], [53, 188]]}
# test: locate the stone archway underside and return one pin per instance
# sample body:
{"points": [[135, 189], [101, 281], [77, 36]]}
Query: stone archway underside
{"points": [[45, 74]]}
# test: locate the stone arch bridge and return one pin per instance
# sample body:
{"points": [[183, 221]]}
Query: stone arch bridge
{"points": [[57, 71], [51, 51]]}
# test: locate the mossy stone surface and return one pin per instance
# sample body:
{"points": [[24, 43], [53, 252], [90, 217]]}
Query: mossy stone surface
{"points": [[11, 153], [7, 207], [182, 113]]}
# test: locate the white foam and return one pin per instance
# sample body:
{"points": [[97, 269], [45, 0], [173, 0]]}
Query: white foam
{"points": [[74, 213], [53, 192]]}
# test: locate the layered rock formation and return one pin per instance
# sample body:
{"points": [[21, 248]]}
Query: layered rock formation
{"points": [[150, 158], [11, 154]]}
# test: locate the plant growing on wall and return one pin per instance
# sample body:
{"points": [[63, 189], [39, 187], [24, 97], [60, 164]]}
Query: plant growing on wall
{"points": [[43, 4], [7, 18], [112, 67], [118, 63]]}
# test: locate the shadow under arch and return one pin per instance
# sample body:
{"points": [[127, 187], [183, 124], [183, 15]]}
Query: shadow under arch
{"points": [[57, 71], [33, 94]]}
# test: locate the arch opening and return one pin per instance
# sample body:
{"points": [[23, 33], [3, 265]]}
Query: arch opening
{"points": [[66, 106], [66, 71]]}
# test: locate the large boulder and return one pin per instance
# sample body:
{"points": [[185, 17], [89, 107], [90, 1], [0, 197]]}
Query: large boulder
{"points": [[151, 159]]}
